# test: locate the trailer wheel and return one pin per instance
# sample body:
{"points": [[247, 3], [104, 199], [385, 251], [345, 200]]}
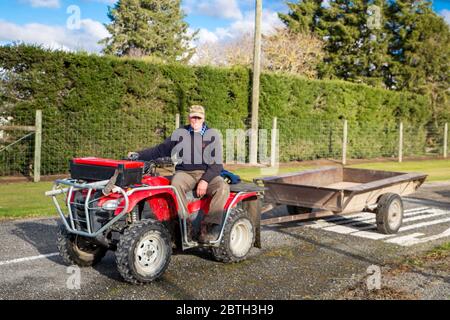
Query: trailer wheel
{"points": [[144, 251], [298, 210], [389, 214], [77, 250], [238, 237]]}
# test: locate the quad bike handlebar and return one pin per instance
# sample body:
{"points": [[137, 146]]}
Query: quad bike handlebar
{"points": [[150, 166]]}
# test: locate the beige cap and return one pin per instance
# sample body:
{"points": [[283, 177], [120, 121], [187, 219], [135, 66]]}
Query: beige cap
{"points": [[197, 111]]}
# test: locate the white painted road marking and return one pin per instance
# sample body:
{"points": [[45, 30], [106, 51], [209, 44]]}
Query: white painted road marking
{"points": [[364, 225], [42, 256], [360, 217], [413, 239]]}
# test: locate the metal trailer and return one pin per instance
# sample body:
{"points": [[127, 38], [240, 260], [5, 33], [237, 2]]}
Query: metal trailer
{"points": [[332, 191]]}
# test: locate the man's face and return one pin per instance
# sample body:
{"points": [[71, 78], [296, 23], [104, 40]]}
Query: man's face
{"points": [[196, 123]]}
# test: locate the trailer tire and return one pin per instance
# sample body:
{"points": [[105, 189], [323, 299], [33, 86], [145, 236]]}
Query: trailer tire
{"points": [[238, 237], [143, 252], [69, 246], [292, 210], [389, 213]]}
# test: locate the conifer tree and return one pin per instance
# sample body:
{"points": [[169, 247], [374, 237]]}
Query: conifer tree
{"points": [[356, 41], [420, 48], [303, 16], [148, 28], [401, 44]]}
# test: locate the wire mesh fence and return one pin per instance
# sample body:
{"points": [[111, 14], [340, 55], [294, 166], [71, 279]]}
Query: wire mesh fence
{"points": [[372, 140], [108, 136], [113, 135], [423, 141], [309, 139], [16, 147]]}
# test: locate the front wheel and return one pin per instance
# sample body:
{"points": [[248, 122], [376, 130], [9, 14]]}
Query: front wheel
{"points": [[389, 213], [238, 237], [144, 251], [78, 250]]}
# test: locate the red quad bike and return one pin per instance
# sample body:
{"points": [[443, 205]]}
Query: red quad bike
{"points": [[126, 207]]}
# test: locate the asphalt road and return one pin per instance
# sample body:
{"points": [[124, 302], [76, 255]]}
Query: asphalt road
{"points": [[313, 260]]}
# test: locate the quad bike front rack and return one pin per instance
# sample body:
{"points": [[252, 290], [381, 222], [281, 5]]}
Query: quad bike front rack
{"points": [[73, 185]]}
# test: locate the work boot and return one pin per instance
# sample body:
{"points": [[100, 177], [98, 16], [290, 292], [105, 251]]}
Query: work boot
{"points": [[209, 232]]}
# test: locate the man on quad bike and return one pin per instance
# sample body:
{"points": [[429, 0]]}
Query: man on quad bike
{"points": [[126, 207], [197, 170]]}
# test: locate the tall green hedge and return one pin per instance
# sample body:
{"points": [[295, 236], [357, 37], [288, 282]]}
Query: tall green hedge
{"points": [[82, 95]]}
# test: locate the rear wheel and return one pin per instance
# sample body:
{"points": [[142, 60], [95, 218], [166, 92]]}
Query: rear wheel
{"points": [[78, 250], [298, 210], [144, 251], [389, 213], [238, 237]]}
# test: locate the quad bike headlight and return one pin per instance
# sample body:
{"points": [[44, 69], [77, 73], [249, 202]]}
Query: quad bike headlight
{"points": [[111, 205]]}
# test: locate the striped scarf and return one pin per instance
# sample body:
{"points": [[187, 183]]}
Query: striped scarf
{"points": [[202, 132]]}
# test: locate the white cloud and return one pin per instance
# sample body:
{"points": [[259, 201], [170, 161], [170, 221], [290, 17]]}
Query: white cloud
{"points": [[105, 1], [94, 29], [57, 3], [228, 9], [205, 36], [56, 37], [269, 23], [43, 3], [446, 14]]}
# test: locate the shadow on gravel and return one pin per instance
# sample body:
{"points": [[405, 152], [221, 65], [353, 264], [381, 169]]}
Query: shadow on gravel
{"points": [[176, 291], [427, 274], [438, 204], [445, 193], [41, 236], [108, 268], [202, 253], [321, 245]]}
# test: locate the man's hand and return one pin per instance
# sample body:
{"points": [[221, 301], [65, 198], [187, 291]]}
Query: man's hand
{"points": [[133, 155], [201, 188]]}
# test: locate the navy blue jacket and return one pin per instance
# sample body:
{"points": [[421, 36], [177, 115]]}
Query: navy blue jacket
{"points": [[165, 150]]}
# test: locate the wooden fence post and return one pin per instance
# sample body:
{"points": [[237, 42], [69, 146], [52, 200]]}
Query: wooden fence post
{"points": [[344, 143], [400, 143], [177, 121], [37, 146], [445, 139], [274, 145]]}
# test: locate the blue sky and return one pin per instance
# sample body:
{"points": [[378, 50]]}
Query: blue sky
{"points": [[46, 21]]}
